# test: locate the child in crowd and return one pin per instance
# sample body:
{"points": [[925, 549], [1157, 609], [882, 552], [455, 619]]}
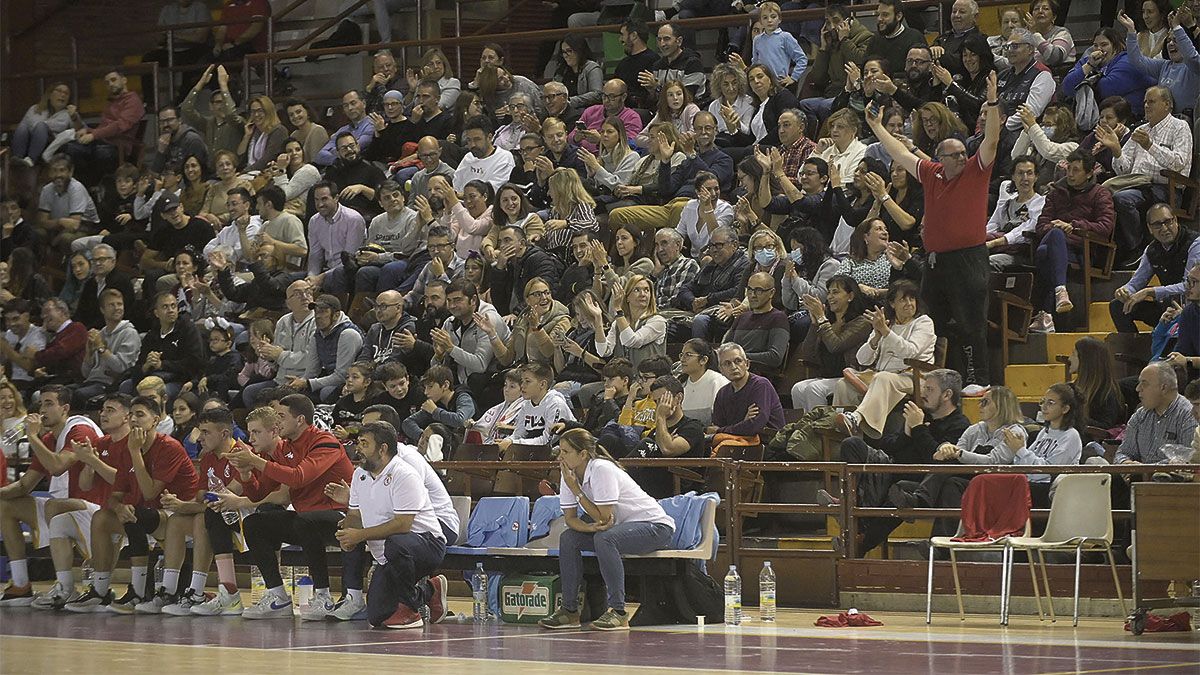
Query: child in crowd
{"points": [[605, 407], [778, 49], [498, 421], [358, 393], [543, 408], [223, 361], [262, 333], [443, 403]]}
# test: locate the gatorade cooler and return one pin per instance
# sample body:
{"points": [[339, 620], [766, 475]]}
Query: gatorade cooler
{"points": [[528, 598]]}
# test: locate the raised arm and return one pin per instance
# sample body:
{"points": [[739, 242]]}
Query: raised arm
{"points": [[991, 127], [895, 149]]}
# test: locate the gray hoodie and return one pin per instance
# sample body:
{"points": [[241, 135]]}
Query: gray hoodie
{"points": [[124, 344]]}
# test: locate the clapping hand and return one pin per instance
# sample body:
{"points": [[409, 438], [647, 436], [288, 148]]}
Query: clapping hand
{"points": [[898, 253], [1012, 439], [338, 492], [816, 308], [878, 321]]}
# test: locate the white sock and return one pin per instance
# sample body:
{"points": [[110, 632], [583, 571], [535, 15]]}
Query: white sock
{"points": [[138, 574], [66, 579], [199, 579], [355, 594], [20, 572], [170, 581], [279, 593], [100, 581]]}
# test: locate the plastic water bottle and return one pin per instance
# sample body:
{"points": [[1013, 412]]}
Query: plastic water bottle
{"points": [[766, 593], [733, 597], [215, 486], [479, 594], [86, 571]]}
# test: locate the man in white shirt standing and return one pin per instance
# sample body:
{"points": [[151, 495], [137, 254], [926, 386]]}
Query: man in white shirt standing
{"points": [[485, 161], [391, 511]]}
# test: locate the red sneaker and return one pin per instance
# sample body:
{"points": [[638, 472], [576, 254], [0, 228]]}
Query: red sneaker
{"points": [[402, 618], [437, 602], [17, 596]]}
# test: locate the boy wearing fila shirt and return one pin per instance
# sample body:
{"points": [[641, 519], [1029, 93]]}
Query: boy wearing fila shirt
{"points": [[262, 425], [49, 435], [391, 511], [99, 473], [152, 465], [354, 559], [307, 461], [542, 410], [189, 517]]}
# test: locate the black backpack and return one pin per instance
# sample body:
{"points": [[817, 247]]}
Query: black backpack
{"points": [[681, 599]]}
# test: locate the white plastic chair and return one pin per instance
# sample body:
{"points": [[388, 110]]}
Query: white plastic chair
{"points": [[949, 543], [1080, 517]]}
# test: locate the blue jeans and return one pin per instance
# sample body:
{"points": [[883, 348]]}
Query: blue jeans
{"points": [[1130, 206], [631, 538], [30, 140], [1051, 260], [817, 109], [92, 160], [1148, 312], [410, 559]]}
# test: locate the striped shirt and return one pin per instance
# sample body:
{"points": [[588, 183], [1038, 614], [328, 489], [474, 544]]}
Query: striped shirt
{"points": [[1148, 431]]}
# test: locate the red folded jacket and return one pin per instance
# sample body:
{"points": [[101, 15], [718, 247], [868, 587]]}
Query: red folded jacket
{"points": [[848, 620]]}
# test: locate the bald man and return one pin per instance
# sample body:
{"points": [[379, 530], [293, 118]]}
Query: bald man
{"points": [[429, 151], [763, 331], [391, 336]]}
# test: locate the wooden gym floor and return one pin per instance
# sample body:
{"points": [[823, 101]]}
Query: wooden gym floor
{"points": [[48, 642]]}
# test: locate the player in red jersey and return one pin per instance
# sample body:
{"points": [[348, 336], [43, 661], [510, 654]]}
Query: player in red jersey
{"points": [[153, 464], [308, 460], [50, 433], [262, 425]]}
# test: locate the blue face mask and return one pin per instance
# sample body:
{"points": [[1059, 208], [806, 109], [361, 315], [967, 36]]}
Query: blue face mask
{"points": [[764, 256], [797, 256]]}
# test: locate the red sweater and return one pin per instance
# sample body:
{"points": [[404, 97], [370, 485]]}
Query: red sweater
{"points": [[305, 465], [118, 124], [1090, 208], [63, 355]]}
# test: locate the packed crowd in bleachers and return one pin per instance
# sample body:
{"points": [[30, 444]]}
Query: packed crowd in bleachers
{"points": [[653, 258]]}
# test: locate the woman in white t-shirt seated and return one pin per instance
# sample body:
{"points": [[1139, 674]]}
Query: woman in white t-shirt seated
{"points": [[621, 520], [698, 363]]}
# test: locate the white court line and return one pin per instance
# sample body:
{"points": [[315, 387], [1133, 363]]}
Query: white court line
{"points": [[1000, 637], [542, 636]]}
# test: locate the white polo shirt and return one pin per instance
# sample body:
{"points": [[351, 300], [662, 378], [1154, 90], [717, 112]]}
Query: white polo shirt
{"points": [[605, 484], [396, 491], [442, 506]]}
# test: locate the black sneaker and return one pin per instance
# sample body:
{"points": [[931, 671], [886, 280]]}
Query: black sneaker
{"points": [[127, 603], [902, 499], [90, 601]]}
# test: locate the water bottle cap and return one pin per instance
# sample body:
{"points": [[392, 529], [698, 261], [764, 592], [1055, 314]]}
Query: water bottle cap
{"points": [[304, 581]]}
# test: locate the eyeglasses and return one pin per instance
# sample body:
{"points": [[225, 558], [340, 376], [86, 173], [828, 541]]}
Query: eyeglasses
{"points": [[1161, 224], [385, 305], [984, 401], [718, 244], [688, 355], [538, 294], [918, 62], [613, 97], [810, 172], [1013, 46], [758, 291], [531, 148], [427, 155], [556, 94]]}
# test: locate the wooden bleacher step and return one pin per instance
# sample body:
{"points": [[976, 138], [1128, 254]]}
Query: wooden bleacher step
{"points": [[1062, 344], [1099, 320], [1030, 380]]}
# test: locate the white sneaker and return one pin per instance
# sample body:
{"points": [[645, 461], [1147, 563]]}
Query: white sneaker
{"points": [[1042, 323], [183, 606], [318, 608], [223, 604], [155, 604], [347, 608], [269, 607], [55, 598]]}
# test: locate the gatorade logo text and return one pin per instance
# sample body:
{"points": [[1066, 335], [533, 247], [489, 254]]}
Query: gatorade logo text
{"points": [[528, 597]]}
